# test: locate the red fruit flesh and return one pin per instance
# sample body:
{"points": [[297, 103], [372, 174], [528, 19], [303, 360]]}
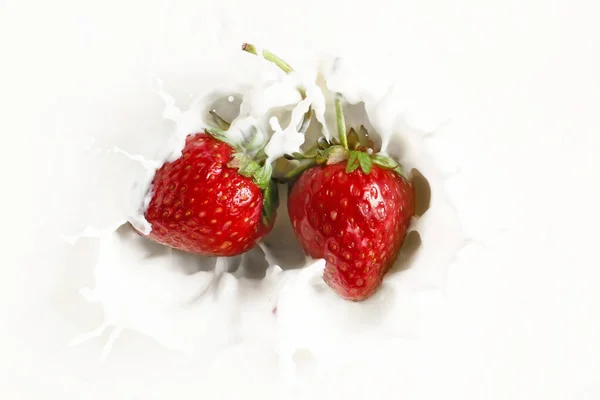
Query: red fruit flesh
{"points": [[199, 205], [355, 221]]}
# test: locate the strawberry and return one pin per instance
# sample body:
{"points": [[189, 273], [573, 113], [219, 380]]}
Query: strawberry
{"points": [[218, 198], [204, 203], [352, 208]]}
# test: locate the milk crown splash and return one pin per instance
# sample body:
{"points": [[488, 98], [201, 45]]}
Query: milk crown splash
{"points": [[186, 305]]}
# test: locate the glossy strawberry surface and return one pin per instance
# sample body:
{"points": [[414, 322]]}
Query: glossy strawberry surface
{"points": [[355, 221], [200, 205]]}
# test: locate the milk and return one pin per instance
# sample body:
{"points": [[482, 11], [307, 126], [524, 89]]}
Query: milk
{"points": [[195, 304]]}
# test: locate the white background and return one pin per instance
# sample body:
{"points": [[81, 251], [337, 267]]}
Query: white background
{"points": [[519, 82]]}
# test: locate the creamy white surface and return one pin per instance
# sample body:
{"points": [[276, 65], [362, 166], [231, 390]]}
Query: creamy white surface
{"points": [[142, 287]]}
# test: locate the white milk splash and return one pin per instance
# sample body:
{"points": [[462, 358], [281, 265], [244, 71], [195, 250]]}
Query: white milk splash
{"points": [[195, 304]]}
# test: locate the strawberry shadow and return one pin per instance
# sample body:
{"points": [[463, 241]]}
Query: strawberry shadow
{"points": [[410, 247], [422, 192], [282, 243], [251, 265]]}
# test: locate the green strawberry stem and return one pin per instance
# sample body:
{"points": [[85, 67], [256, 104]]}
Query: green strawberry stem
{"points": [[285, 67], [250, 48], [215, 131], [304, 165], [341, 123]]}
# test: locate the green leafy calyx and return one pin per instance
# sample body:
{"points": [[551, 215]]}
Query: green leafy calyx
{"points": [[353, 147], [359, 153], [253, 167], [261, 176]]}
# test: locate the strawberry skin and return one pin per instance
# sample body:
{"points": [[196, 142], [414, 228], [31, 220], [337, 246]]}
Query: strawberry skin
{"points": [[355, 221], [200, 205]]}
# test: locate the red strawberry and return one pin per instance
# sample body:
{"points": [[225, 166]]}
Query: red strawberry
{"points": [[202, 203], [215, 200], [353, 210]]}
